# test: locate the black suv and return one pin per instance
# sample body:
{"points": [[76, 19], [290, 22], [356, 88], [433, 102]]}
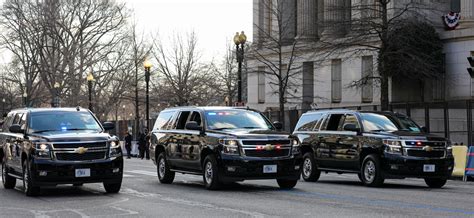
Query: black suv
{"points": [[375, 145], [51, 146], [224, 145]]}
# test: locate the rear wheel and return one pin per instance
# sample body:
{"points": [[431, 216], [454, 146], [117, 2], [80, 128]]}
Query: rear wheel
{"points": [[112, 187], [165, 175], [211, 173], [435, 183], [310, 170], [287, 183], [371, 171], [9, 182], [29, 185]]}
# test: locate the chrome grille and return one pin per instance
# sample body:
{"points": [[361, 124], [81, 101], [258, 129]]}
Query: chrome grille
{"points": [[266, 148], [79, 157], [68, 151], [428, 149]]}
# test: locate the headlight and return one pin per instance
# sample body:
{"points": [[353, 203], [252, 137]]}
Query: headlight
{"points": [[230, 146], [115, 149], [393, 146], [295, 148], [43, 151]]}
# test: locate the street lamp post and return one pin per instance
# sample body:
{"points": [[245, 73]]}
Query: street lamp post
{"points": [[56, 100], [147, 65], [3, 105], [90, 79], [239, 39], [25, 96]]}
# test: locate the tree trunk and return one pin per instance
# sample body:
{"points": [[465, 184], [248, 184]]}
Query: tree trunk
{"points": [[281, 115]]}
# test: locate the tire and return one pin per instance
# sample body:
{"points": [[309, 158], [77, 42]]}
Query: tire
{"points": [[287, 183], [371, 171], [112, 188], [165, 175], [29, 186], [210, 173], [310, 172], [435, 183], [9, 182]]}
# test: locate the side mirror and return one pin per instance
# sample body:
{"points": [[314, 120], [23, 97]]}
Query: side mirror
{"points": [[108, 125], [424, 129], [16, 128], [351, 127], [278, 125], [193, 125]]}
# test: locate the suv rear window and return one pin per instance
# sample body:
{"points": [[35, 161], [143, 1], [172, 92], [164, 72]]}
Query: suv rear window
{"points": [[163, 120], [308, 121]]}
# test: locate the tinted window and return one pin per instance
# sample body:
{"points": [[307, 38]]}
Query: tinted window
{"points": [[350, 119], [307, 122], [195, 116], [164, 120], [382, 122], [183, 118], [62, 121], [236, 119], [334, 121]]}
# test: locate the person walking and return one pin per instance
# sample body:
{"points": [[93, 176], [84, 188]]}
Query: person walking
{"points": [[128, 144], [142, 144]]}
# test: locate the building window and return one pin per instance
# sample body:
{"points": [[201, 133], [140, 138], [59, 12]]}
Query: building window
{"points": [[336, 83], [456, 6], [367, 78], [261, 85], [308, 84], [437, 84]]}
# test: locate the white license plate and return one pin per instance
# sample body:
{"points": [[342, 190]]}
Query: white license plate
{"points": [[428, 168], [83, 172], [269, 168]]}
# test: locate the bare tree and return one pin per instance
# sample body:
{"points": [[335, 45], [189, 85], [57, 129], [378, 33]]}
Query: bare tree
{"points": [[226, 74], [276, 48]]}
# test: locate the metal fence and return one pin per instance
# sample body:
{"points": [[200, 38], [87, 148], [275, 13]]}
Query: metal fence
{"points": [[452, 119]]}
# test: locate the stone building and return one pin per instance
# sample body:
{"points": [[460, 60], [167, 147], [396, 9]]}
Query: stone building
{"points": [[325, 82]]}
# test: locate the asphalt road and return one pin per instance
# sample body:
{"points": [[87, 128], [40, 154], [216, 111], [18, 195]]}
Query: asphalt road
{"points": [[333, 196]]}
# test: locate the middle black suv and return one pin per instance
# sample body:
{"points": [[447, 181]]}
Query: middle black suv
{"points": [[375, 145], [224, 145]]}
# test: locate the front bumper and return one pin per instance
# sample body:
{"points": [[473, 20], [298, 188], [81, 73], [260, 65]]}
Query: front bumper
{"points": [[63, 172], [406, 166], [239, 168]]}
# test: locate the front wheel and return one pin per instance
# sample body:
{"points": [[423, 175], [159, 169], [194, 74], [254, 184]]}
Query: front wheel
{"points": [[371, 171], [211, 173], [310, 172], [112, 187], [9, 182], [28, 183], [287, 183], [435, 183], [165, 175]]}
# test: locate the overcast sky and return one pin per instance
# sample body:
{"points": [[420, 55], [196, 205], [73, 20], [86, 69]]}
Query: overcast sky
{"points": [[214, 21]]}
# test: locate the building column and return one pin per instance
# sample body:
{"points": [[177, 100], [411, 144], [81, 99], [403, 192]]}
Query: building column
{"points": [[334, 15], [307, 17], [467, 9]]}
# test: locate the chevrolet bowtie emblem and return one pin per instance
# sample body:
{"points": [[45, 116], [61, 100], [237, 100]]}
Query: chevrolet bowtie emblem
{"points": [[428, 148], [269, 147], [81, 150]]}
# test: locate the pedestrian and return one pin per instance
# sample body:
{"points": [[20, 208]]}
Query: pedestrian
{"points": [[147, 144], [128, 144], [142, 144]]}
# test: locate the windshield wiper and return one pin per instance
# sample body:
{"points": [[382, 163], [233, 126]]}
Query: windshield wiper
{"points": [[378, 130], [250, 127], [46, 130], [224, 128], [80, 129]]}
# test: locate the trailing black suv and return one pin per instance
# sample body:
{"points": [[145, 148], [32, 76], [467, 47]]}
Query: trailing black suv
{"points": [[375, 145], [51, 146], [224, 145]]}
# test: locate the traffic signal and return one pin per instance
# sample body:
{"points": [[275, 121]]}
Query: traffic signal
{"points": [[471, 69]]}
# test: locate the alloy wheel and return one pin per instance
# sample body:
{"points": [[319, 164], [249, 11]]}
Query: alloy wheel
{"points": [[369, 171], [307, 167], [162, 167], [209, 173]]}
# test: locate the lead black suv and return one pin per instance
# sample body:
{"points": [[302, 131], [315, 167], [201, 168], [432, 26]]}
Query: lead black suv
{"points": [[51, 146], [224, 145], [375, 145]]}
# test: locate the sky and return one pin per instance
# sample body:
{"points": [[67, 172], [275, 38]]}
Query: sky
{"points": [[214, 21]]}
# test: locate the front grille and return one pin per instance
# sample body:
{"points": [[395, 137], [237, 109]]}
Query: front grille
{"points": [[99, 155], [77, 145], [272, 142], [423, 153], [265, 153]]}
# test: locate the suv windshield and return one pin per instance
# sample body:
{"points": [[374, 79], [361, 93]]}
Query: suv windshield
{"points": [[235, 119], [62, 121], [387, 123]]}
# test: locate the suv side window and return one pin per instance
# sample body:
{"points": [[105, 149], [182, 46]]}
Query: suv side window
{"points": [[164, 120], [8, 122], [182, 119], [320, 122], [195, 116], [17, 118], [308, 121], [349, 119], [333, 122]]}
